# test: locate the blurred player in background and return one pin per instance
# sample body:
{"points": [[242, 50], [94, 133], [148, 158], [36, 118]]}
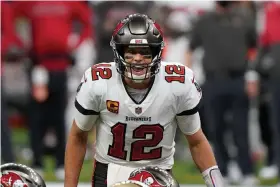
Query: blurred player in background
{"points": [[11, 52], [51, 54], [270, 40]]}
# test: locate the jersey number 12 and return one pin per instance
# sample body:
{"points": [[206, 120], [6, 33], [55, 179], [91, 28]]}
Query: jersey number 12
{"points": [[101, 70], [137, 151], [179, 72]]}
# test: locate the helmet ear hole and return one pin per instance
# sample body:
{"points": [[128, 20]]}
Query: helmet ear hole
{"points": [[155, 32], [121, 32]]}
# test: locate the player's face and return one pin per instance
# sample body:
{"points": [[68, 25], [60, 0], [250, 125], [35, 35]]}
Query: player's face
{"points": [[139, 59]]}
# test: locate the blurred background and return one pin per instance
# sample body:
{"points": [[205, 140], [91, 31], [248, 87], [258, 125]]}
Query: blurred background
{"points": [[47, 45]]}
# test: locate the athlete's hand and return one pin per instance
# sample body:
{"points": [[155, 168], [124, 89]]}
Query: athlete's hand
{"points": [[40, 93]]}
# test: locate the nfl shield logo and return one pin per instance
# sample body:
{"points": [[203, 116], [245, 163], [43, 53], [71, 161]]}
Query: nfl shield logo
{"points": [[138, 110], [139, 41]]}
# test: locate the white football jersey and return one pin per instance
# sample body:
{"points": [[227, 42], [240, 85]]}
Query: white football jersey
{"points": [[131, 133]]}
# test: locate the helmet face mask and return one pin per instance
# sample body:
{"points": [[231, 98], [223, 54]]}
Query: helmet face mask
{"points": [[137, 62], [140, 34]]}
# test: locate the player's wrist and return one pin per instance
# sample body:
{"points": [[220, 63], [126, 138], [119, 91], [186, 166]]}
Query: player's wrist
{"points": [[213, 177], [70, 184]]}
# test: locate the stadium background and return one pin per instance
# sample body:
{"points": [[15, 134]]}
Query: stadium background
{"points": [[168, 14]]}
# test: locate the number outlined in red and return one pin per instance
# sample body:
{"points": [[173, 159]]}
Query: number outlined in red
{"points": [[101, 70], [179, 70]]}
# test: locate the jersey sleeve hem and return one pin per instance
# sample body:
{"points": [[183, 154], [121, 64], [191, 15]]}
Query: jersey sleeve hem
{"points": [[190, 111], [193, 132], [84, 111], [81, 127]]}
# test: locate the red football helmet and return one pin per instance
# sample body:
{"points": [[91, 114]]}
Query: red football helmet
{"points": [[18, 175], [153, 177]]}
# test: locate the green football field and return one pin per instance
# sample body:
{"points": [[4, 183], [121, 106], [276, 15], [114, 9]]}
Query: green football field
{"points": [[185, 172]]}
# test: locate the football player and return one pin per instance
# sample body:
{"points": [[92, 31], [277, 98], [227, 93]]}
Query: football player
{"points": [[19, 175], [136, 104]]}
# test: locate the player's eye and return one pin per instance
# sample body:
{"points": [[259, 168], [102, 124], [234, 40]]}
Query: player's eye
{"points": [[145, 52], [147, 56], [128, 56]]}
